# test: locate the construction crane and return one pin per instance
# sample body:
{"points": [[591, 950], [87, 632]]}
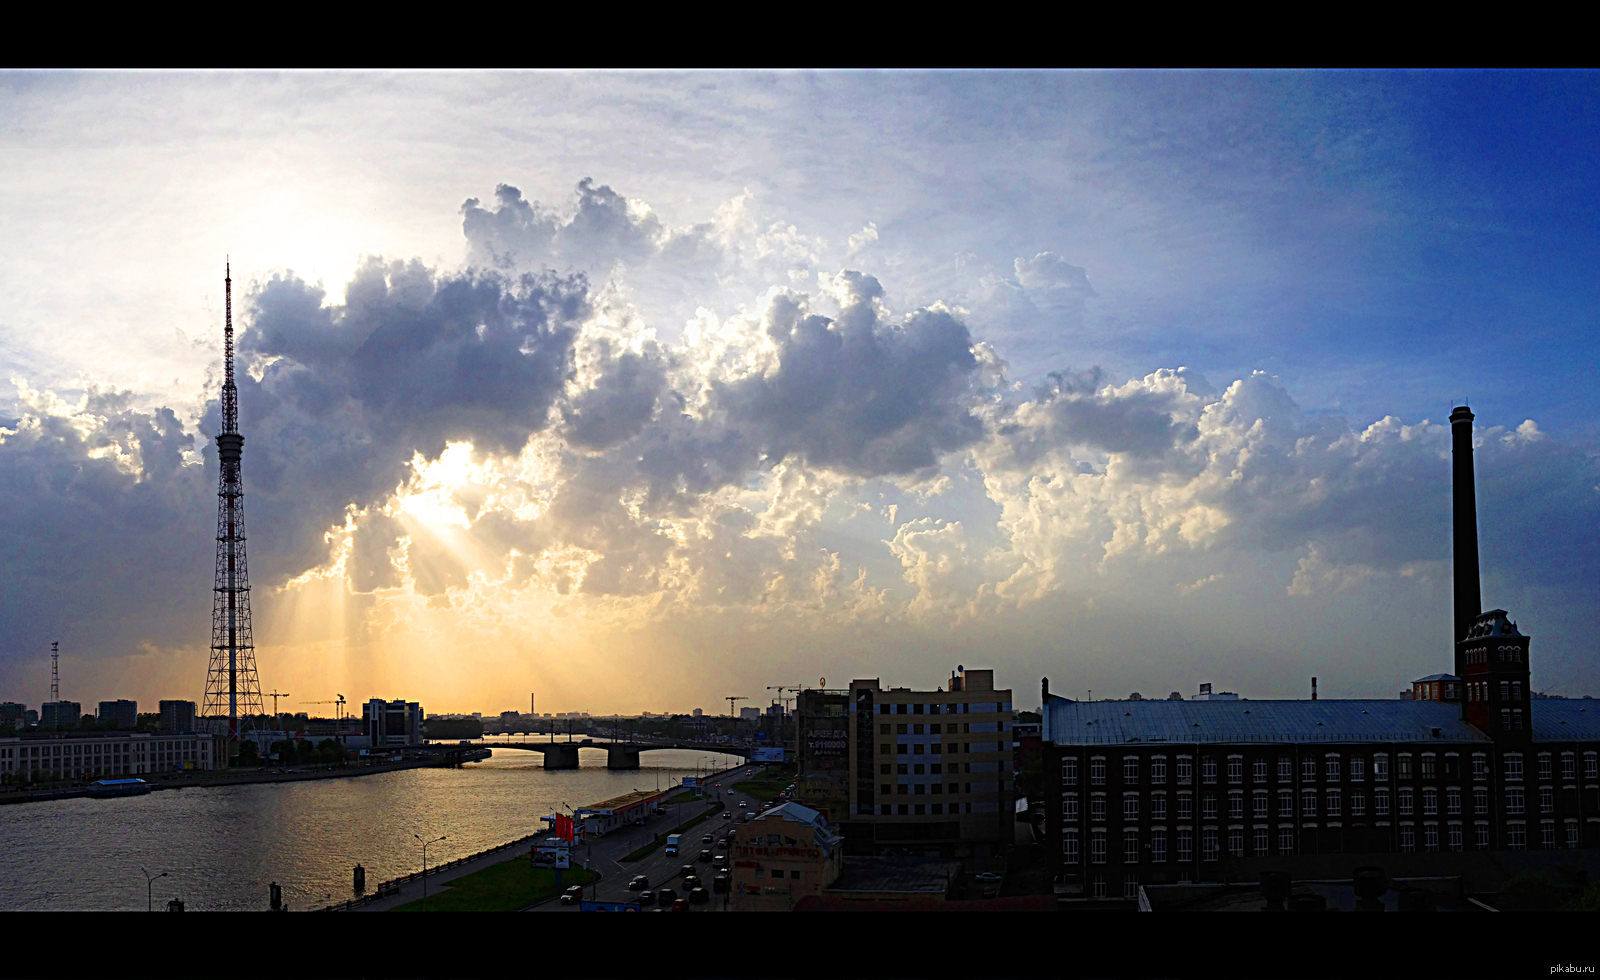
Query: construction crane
{"points": [[339, 717], [275, 695], [730, 701], [787, 687]]}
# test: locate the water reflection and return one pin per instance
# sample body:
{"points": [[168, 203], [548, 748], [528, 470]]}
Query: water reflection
{"points": [[223, 846]]}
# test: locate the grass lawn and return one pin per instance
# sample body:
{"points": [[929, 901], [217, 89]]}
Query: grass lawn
{"points": [[503, 887]]}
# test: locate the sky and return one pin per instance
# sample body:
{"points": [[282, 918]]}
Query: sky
{"points": [[632, 391]]}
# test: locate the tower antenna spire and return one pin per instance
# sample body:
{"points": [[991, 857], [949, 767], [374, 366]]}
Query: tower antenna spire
{"points": [[232, 686]]}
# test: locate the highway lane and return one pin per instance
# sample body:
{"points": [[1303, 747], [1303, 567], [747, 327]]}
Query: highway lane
{"points": [[660, 868]]}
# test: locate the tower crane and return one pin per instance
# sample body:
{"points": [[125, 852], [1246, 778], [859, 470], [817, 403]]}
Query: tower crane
{"points": [[275, 695], [339, 717], [730, 701]]}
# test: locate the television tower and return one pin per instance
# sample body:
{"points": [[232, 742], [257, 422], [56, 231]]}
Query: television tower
{"points": [[55, 670], [232, 687]]}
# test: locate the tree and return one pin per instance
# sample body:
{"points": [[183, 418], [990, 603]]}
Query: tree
{"points": [[1028, 718], [248, 755], [305, 752]]}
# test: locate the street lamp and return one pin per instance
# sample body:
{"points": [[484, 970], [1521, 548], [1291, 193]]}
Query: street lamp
{"points": [[425, 844], [149, 887]]}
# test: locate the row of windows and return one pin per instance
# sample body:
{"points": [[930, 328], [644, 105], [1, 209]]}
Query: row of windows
{"points": [[1480, 690], [926, 789], [1332, 803], [917, 809], [949, 729], [1331, 767], [959, 708], [1134, 849], [934, 748]]}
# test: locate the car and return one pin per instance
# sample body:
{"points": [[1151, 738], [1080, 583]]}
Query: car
{"points": [[722, 883], [727, 814], [666, 896], [987, 876], [719, 859], [647, 897], [717, 785], [687, 871], [990, 891], [639, 883], [691, 881], [708, 838], [705, 856], [743, 804], [699, 896], [681, 905], [572, 895]]}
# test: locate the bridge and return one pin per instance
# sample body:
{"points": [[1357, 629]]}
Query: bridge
{"points": [[619, 754]]}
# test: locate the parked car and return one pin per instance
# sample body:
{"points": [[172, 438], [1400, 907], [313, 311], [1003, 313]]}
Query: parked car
{"points": [[990, 891], [699, 896], [691, 881], [666, 896], [987, 876], [647, 898], [639, 883], [572, 895]]}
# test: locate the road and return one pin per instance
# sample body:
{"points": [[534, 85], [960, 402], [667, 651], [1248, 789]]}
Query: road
{"points": [[662, 869]]}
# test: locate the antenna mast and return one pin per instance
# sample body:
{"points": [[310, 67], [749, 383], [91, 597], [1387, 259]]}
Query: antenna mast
{"points": [[232, 686], [55, 670]]}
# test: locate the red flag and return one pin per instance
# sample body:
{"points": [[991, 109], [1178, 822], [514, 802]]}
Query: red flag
{"points": [[564, 827]]}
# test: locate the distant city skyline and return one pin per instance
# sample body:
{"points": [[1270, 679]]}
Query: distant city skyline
{"points": [[639, 390]]}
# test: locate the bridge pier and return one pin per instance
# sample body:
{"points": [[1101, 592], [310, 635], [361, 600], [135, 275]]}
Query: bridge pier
{"points": [[561, 755], [622, 757]]}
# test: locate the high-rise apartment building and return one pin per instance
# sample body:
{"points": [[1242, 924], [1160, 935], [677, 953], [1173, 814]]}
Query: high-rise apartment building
{"points": [[177, 717], [122, 714], [60, 714], [392, 722], [930, 771]]}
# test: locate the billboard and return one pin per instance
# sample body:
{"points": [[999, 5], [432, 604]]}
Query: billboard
{"points": [[691, 781], [827, 743], [767, 755], [558, 855]]}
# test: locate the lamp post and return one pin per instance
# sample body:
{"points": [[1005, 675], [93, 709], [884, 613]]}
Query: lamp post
{"points": [[425, 844], [149, 888]]}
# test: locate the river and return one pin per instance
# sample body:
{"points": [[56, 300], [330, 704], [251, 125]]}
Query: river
{"points": [[222, 846]]}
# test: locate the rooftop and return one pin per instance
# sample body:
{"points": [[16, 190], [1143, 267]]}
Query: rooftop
{"points": [[822, 834], [624, 801], [1101, 722], [911, 876], [1565, 720]]}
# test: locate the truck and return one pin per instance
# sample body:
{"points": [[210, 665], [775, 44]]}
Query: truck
{"points": [[672, 843]]}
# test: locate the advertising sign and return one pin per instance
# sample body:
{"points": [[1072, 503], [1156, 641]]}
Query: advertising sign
{"points": [[828, 743], [767, 755], [691, 781], [557, 855]]}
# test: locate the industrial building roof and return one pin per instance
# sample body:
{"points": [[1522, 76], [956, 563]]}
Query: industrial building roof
{"points": [[1130, 722], [622, 802], [1565, 720], [822, 834], [912, 876]]}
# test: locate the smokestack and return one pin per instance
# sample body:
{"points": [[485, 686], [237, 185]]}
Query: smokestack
{"points": [[1464, 523], [1313, 688], [1044, 690]]}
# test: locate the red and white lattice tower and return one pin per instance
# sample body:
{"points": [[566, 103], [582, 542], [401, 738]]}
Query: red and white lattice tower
{"points": [[232, 687]]}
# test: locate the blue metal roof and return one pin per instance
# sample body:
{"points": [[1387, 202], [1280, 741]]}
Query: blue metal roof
{"points": [[1137, 722], [1565, 720]]}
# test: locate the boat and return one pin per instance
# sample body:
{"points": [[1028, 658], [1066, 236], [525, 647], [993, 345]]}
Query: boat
{"points": [[118, 787]]}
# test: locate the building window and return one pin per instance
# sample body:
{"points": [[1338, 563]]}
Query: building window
{"points": [[1130, 769], [1480, 800], [1185, 806], [1130, 807], [1405, 801], [1097, 846], [1069, 807], [1452, 800], [1569, 765], [1358, 769], [1547, 835], [1158, 806], [1097, 771], [1069, 770], [1380, 802], [1547, 799], [1308, 769], [1208, 844], [1285, 770], [1185, 844], [1427, 765], [1208, 807], [1208, 770], [1430, 801], [1408, 838], [1572, 833], [1070, 848], [903, 769], [1158, 844], [1285, 803], [1097, 807], [1481, 836], [1185, 771], [1517, 836], [1258, 805], [1099, 886], [1403, 766], [885, 749], [1130, 887], [1285, 840], [883, 770], [1158, 769], [1130, 846], [1235, 769], [1261, 841], [1308, 803], [1358, 803], [1334, 803], [1514, 801], [1236, 842], [1430, 837], [1455, 838], [1332, 769], [1591, 766], [1544, 766], [1259, 770], [1505, 718]]}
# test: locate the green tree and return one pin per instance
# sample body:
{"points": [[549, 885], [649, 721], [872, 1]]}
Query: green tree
{"points": [[248, 755], [1028, 718], [305, 752]]}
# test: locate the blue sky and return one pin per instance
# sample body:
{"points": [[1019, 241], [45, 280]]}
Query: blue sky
{"points": [[1333, 258]]}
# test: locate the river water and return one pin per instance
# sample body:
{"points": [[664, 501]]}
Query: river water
{"points": [[222, 846]]}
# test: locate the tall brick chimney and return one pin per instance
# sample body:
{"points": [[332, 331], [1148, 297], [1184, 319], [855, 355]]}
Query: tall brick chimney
{"points": [[1464, 525]]}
